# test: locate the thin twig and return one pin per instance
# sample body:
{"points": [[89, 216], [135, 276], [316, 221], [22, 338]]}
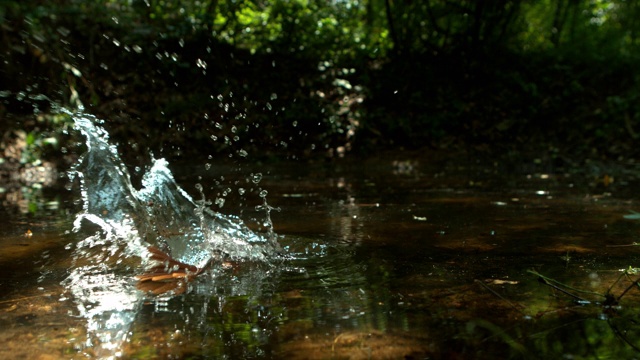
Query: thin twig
{"points": [[550, 281], [622, 336], [22, 298], [500, 296], [615, 282], [633, 284], [555, 287]]}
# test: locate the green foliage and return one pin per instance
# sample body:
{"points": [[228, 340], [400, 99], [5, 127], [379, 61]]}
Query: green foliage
{"points": [[39, 142], [382, 72]]}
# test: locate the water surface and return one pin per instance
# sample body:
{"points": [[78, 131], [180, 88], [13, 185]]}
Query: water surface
{"points": [[388, 258]]}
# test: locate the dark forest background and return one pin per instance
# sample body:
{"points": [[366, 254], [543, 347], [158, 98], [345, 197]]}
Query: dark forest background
{"points": [[326, 78]]}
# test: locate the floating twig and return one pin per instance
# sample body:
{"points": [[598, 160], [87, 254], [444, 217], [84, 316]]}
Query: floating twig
{"points": [[518, 308]]}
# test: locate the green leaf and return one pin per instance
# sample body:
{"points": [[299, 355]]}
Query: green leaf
{"points": [[633, 216]]}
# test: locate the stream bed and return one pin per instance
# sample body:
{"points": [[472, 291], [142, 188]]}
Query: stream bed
{"points": [[388, 258]]}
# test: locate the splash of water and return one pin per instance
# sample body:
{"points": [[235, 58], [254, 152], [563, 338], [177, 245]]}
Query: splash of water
{"points": [[127, 221], [161, 213]]}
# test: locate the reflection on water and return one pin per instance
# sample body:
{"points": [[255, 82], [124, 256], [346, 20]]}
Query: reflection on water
{"points": [[383, 259]]}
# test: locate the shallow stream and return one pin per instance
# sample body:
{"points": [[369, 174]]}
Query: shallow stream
{"points": [[395, 257]]}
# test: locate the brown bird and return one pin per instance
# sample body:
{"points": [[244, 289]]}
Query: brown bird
{"points": [[168, 275]]}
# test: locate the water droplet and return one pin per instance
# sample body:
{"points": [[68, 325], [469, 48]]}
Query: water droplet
{"points": [[201, 63], [255, 178], [263, 193], [207, 166], [242, 153], [241, 191]]}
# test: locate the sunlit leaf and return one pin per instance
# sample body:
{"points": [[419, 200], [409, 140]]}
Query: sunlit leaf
{"points": [[633, 216]]}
